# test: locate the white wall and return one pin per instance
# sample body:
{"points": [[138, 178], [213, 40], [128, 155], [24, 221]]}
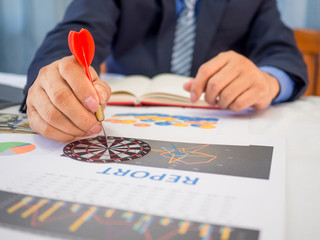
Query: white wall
{"points": [[300, 13], [293, 12], [23, 25]]}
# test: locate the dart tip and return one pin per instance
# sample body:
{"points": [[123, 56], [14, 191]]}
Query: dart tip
{"points": [[100, 118], [105, 134]]}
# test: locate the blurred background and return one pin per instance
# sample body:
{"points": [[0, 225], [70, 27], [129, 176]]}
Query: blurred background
{"points": [[24, 23]]}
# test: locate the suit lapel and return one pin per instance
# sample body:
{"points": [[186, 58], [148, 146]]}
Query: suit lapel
{"points": [[166, 35], [210, 12]]}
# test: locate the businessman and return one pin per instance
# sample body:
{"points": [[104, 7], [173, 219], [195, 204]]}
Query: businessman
{"points": [[239, 53]]}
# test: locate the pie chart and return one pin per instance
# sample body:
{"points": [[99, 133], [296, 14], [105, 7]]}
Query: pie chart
{"points": [[14, 148]]}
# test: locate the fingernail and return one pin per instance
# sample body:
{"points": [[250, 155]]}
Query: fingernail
{"points": [[91, 103], [95, 129], [193, 97]]}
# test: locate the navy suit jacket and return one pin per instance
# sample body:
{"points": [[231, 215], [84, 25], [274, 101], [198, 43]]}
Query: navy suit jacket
{"points": [[136, 36]]}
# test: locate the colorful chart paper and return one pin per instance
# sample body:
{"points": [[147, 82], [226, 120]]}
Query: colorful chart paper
{"points": [[159, 119], [83, 221], [13, 148]]}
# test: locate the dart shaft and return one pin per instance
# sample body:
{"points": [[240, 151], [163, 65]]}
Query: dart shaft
{"points": [[100, 118]]}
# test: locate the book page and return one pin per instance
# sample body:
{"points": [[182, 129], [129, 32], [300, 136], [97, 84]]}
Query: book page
{"points": [[127, 89], [170, 84], [168, 88]]}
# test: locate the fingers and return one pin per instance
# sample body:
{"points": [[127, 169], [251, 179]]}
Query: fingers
{"points": [[64, 98], [89, 95], [73, 74], [104, 92], [206, 71], [41, 126], [187, 85], [251, 89], [62, 101], [52, 116], [246, 99], [231, 92], [218, 82], [235, 81]]}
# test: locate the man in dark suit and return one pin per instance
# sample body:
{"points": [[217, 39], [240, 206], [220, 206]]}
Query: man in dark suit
{"points": [[243, 56]]}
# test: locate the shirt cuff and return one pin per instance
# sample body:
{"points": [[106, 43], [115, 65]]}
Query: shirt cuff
{"points": [[286, 83]]}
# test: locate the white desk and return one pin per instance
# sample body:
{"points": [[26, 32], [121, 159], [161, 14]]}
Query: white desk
{"points": [[300, 123]]}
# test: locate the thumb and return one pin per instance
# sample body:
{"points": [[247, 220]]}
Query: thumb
{"points": [[103, 91], [187, 85]]}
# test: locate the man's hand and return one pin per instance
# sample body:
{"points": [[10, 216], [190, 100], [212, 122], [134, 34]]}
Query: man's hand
{"points": [[62, 101], [232, 81]]}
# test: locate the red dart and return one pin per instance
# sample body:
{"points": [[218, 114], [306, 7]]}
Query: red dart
{"points": [[82, 46]]}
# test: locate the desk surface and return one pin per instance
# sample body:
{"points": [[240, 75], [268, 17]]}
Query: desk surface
{"points": [[299, 122]]}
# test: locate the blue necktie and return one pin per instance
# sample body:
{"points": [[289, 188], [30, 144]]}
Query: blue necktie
{"points": [[184, 40]]}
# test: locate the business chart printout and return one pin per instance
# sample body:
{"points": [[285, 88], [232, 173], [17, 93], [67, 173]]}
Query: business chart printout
{"points": [[183, 175], [176, 190]]}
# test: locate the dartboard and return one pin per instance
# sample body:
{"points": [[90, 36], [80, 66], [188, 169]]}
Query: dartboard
{"points": [[96, 150]]}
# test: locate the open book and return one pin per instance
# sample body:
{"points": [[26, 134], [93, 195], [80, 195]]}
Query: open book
{"points": [[162, 90]]}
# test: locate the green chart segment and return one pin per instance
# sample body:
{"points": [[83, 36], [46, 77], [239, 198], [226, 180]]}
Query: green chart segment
{"points": [[13, 148], [81, 221]]}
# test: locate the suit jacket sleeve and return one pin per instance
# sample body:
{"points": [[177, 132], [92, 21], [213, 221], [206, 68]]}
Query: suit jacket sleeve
{"points": [[99, 18], [271, 43]]}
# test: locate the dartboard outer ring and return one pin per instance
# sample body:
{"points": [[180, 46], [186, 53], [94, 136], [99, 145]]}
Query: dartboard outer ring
{"points": [[94, 150]]}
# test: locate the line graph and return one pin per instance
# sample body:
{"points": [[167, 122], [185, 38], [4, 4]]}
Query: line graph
{"points": [[241, 161], [76, 220], [184, 155]]}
